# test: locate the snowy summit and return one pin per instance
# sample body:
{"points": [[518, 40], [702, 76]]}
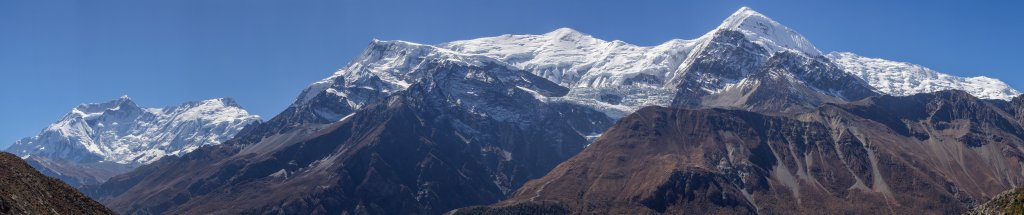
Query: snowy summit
{"points": [[767, 32]]}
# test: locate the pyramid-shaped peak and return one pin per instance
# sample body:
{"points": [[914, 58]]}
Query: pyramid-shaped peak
{"points": [[767, 32], [746, 11]]}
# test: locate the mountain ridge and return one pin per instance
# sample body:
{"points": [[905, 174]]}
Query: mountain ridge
{"points": [[867, 156]]}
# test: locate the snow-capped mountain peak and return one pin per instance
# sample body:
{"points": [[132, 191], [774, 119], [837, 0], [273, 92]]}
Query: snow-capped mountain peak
{"points": [[565, 33], [767, 32]]}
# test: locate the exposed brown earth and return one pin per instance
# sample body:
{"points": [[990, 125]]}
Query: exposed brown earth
{"points": [[23, 190], [939, 153]]}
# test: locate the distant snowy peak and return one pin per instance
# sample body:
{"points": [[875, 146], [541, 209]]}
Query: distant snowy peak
{"points": [[120, 131], [768, 33], [901, 79]]}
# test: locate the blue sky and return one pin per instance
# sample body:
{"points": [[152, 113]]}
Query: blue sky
{"points": [[57, 54]]}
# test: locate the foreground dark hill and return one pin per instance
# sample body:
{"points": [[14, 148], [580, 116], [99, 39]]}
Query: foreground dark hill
{"points": [[23, 190], [935, 153], [465, 136]]}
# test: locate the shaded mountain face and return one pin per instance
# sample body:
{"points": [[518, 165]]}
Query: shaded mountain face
{"points": [[97, 141], [928, 153], [23, 190], [466, 135]]}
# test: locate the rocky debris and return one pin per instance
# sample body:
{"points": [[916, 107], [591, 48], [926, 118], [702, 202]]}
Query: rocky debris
{"points": [[23, 190]]}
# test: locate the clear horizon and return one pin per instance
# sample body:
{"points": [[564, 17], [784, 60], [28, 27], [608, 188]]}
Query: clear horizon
{"points": [[58, 54]]}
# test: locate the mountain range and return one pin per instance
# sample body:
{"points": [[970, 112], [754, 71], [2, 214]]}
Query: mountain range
{"points": [[749, 118], [96, 141], [617, 78]]}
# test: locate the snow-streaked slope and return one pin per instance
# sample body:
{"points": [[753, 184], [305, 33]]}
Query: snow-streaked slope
{"points": [[120, 131], [389, 61], [383, 68], [902, 79]]}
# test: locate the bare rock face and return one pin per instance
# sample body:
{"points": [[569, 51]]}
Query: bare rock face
{"points": [[1007, 203], [929, 153], [23, 190]]}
